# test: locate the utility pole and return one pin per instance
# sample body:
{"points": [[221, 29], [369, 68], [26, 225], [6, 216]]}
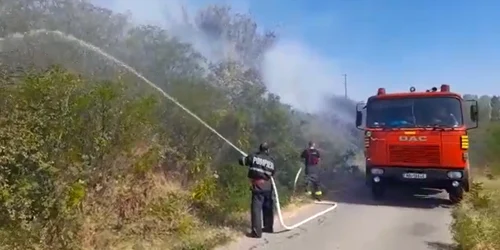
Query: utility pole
{"points": [[345, 85]]}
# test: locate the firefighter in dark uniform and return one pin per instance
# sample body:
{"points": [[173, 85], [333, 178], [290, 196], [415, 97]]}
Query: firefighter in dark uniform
{"points": [[312, 158], [260, 170]]}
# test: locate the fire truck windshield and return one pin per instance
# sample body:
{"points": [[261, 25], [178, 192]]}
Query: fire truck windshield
{"points": [[443, 112]]}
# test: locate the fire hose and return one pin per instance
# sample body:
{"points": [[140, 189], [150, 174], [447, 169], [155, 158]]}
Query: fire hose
{"points": [[332, 205]]}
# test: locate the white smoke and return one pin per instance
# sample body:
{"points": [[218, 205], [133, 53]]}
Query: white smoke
{"points": [[301, 76]]}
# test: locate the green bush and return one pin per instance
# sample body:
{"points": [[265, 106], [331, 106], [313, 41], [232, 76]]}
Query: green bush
{"points": [[74, 151], [59, 133], [476, 223], [88, 163], [476, 220], [233, 188]]}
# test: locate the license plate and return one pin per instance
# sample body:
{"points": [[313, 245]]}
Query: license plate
{"points": [[414, 176]]}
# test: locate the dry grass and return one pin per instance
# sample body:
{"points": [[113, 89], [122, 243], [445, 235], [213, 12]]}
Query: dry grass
{"points": [[156, 214], [150, 214], [477, 219]]}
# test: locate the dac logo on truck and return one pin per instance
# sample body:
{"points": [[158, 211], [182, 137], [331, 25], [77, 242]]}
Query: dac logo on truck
{"points": [[412, 138]]}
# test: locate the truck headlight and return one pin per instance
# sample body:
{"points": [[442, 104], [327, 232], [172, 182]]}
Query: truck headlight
{"points": [[377, 171], [455, 175]]}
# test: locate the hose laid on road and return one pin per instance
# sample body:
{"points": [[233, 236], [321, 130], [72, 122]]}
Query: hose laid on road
{"points": [[332, 206]]}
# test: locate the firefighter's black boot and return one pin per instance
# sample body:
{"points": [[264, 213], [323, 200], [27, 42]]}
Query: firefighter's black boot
{"points": [[253, 235]]}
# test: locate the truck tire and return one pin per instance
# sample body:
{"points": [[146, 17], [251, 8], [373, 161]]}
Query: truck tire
{"points": [[378, 191], [467, 184], [456, 195]]}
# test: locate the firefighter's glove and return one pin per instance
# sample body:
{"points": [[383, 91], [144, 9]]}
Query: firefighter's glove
{"points": [[241, 161]]}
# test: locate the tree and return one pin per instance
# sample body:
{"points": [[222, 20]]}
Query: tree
{"points": [[495, 108], [100, 147], [484, 108]]}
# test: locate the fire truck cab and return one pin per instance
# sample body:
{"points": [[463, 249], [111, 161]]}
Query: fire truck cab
{"points": [[417, 138]]}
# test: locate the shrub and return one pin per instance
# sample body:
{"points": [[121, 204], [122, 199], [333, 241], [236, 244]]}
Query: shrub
{"points": [[476, 220], [60, 136], [476, 224]]}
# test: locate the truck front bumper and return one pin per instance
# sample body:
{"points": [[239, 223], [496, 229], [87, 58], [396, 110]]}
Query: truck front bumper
{"points": [[442, 178]]}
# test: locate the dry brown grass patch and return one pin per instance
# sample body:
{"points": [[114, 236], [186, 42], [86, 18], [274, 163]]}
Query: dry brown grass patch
{"points": [[150, 214]]}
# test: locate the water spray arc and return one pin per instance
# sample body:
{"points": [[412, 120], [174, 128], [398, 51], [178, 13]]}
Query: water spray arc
{"points": [[122, 64], [96, 49]]}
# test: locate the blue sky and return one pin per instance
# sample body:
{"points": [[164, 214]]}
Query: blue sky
{"points": [[381, 43], [400, 43]]}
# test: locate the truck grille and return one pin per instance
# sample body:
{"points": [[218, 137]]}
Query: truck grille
{"points": [[428, 154]]}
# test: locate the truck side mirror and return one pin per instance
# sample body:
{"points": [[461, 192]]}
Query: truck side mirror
{"points": [[359, 118], [359, 115], [474, 113]]}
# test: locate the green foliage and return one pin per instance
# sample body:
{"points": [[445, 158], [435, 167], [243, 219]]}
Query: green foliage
{"points": [[476, 220], [80, 154], [485, 140], [233, 188], [60, 133]]}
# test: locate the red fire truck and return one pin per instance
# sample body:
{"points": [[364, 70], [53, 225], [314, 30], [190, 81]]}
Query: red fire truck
{"points": [[417, 138]]}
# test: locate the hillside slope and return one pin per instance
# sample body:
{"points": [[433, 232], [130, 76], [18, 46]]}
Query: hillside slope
{"points": [[93, 158]]}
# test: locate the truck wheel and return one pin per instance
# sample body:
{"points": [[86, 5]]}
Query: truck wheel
{"points": [[368, 180], [467, 184], [378, 191], [456, 195]]}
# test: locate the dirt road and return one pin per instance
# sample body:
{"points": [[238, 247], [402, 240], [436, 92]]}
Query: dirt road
{"points": [[404, 220]]}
